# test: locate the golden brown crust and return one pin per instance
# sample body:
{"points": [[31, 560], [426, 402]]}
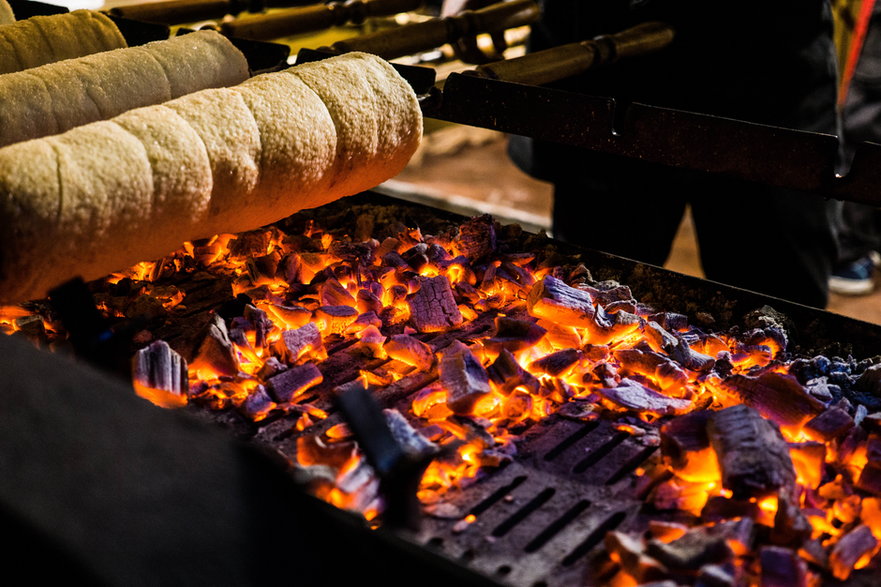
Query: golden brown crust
{"points": [[6, 14]]}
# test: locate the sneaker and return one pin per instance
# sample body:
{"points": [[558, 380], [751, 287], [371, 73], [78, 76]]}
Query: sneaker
{"points": [[855, 279]]}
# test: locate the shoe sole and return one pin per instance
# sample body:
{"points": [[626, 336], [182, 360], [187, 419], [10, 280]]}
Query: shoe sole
{"points": [[851, 287]]}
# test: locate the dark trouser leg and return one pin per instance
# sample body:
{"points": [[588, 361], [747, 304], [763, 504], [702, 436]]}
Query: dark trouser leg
{"points": [[773, 241], [623, 208]]}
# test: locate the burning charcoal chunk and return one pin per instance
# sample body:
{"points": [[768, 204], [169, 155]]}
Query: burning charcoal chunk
{"points": [[292, 382], [693, 550], [718, 509], [335, 319], [289, 268], [290, 316], [658, 338], [465, 379], [782, 567], [716, 576], [261, 323], [791, 527], [409, 350], [271, 367], [832, 423], [514, 335], [416, 256], [776, 396], [410, 439], [158, 371], [630, 553], [251, 244], [367, 301], [370, 342], [350, 252], [670, 320], [293, 343], [635, 396], [870, 380], [663, 371], [437, 254], [395, 260], [333, 293], [477, 237], [684, 439], [257, 405], [752, 454], [850, 549], [809, 460], [773, 324], [215, 351], [555, 301], [556, 364], [870, 477], [433, 307], [690, 358], [507, 374], [822, 390]]}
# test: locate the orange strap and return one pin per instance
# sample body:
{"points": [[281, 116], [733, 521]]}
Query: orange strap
{"points": [[859, 36]]}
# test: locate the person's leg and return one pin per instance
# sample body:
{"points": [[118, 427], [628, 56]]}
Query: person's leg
{"points": [[765, 239], [623, 207]]}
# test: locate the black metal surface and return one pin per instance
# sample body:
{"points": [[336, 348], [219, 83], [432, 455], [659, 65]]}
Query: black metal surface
{"points": [[137, 32], [27, 8], [770, 155]]}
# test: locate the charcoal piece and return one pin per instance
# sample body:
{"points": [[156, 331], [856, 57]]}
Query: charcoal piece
{"points": [[271, 367], [257, 405], [630, 553], [333, 293], [720, 508], [614, 292], [870, 476], [849, 549], [367, 301], [791, 527], [822, 390], [352, 252], [753, 457], [869, 380], [670, 320], [507, 374], [433, 307], [158, 367], [774, 324], [809, 460], [409, 350], [289, 268], [289, 316], [370, 341], [666, 373], [463, 377], [251, 244], [555, 301], [829, 424], [782, 567], [658, 337], [693, 550], [395, 260], [264, 266], [514, 334], [477, 237], [685, 436], [291, 383], [416, 256], [516, 274], [716, 576], [689, 358], [635, 396], [776, 396], [215, 352], [411, 440], [335, 319], [261, 323], [557, 363], [437, 254], [607, 328], [294, 343]]}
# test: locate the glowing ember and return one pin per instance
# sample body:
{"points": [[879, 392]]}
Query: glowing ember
{"points": [[485, 342]]}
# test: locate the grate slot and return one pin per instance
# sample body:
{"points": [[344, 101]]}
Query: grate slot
{"points": [[497, 495], [594, 538], [631, 464], [557, 526], [524, 512], [571, 440], [601, 451]]}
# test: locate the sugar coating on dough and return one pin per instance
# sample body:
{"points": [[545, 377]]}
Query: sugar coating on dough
{"points": [[39, 40], [105, 195]]}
